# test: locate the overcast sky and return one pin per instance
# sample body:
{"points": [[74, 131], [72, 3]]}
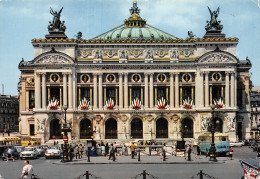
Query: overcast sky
{"points": [[23, 20]]}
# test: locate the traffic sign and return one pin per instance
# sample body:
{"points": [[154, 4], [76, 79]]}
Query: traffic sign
{"points": [[65, 139]]}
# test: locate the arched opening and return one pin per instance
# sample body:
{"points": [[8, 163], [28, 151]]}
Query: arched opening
{"points": [[136, 128], [218, 123], [111, 129], [162, 128], [187, 128], [55, 129], [85, 129]]}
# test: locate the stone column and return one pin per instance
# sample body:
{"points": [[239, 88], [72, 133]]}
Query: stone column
{"points": [[177, 102], [37, 90], [70, 92], [146, 92], [207, 89], [44, 90], [65, 87], [121, 94], [232, 89], [227, 90], [126, 90], [100, 91], [171, 90], [235, 90], [151, 91], [95, 90], [201, 89]]}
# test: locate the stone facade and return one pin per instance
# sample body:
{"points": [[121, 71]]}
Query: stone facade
{"points": [[9, 113], [127, 89]]}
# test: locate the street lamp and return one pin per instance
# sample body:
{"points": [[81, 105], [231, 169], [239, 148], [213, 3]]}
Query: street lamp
{"points": [[65, 128], [212, 128]]}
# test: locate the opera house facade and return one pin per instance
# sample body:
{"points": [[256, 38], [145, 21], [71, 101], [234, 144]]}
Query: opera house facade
{"points": [[135, 82]]}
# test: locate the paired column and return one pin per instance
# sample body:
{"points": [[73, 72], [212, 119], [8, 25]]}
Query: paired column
{"points": [[37, 90], [70, 91], [121, 94], [95, 90], [146, 100], [126, 90], [151, 91], [65, 91], [171, 90], [201, 88], [207, 89], [227, 90], [100, 91], [177, 101], [44, 90], [232, 89]]}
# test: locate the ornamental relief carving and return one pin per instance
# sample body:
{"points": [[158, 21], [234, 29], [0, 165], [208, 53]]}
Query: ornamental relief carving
{"points": [[30, 81], [110, 53], [54, 59], [218, 58], [136, 53], [205, 123], [123, 118], [84, 53], [161, 53], [231, 123], [187, 52]]}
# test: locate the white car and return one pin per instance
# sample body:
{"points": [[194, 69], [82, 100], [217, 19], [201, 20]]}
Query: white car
{"points": [[236, 144], [29, 152], [53, 153]]}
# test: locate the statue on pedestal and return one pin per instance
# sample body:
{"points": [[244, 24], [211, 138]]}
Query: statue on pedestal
{"points": [[56, 25], [213, 25]]}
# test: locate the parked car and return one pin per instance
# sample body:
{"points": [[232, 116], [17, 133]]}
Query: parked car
{"points": [[252, 142], [41, 150], [236, 144], [246, 142], [14, 153], [53, 152], [29, 152], [19, 149]]}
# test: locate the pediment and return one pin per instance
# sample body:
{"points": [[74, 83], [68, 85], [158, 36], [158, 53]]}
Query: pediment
{"points": [[53, 57], [219, 57]]}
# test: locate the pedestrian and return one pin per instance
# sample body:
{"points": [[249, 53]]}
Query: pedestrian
{"points": [[132, 149], [198, 151], [186, 152], [112, 153], [189, 153], [9, 154], [27, 170], [81, 149], [115, 148], [106, 149], [207, 152], [71, 153], [76, 151], [230, 153], [124, 150]]}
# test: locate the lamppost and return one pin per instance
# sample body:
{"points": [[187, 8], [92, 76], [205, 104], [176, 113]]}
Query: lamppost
{"points": [[212, 128], [65, 128]]}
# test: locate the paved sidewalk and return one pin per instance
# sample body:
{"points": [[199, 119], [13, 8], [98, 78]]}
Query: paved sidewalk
{"points": [[146, 160]]}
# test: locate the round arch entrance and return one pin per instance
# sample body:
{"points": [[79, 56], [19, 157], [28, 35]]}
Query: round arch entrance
{"points": [[111, 129], [55, 129], [187, 128], [85, 129], [136, 128], [162, 128]]}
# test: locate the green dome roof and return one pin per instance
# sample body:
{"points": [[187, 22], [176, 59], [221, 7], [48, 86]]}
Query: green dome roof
{"points": [[130, 33], [135, 28]]}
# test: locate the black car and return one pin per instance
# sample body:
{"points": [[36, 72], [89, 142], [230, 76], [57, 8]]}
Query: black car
{"points": [[14, 153]]}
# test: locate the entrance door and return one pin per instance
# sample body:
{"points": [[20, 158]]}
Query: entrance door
{"points": [[31, 129], [111, 129], [187, 128], [161, 128], [55, 129], [239, 130], [136, 129], [85, 129]]}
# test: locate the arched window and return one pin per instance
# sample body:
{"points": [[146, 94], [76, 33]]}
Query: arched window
{"points": [[85, 129], [111, 129], [187, 128], [55, 129], [162, 128], [136, 128]]}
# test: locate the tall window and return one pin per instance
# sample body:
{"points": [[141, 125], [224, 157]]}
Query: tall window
{"points": [[136, 93], [111, 93], [31, 99]]}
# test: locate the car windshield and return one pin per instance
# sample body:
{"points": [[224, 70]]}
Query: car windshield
{"points": [[19, 149], [28, 149]]}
